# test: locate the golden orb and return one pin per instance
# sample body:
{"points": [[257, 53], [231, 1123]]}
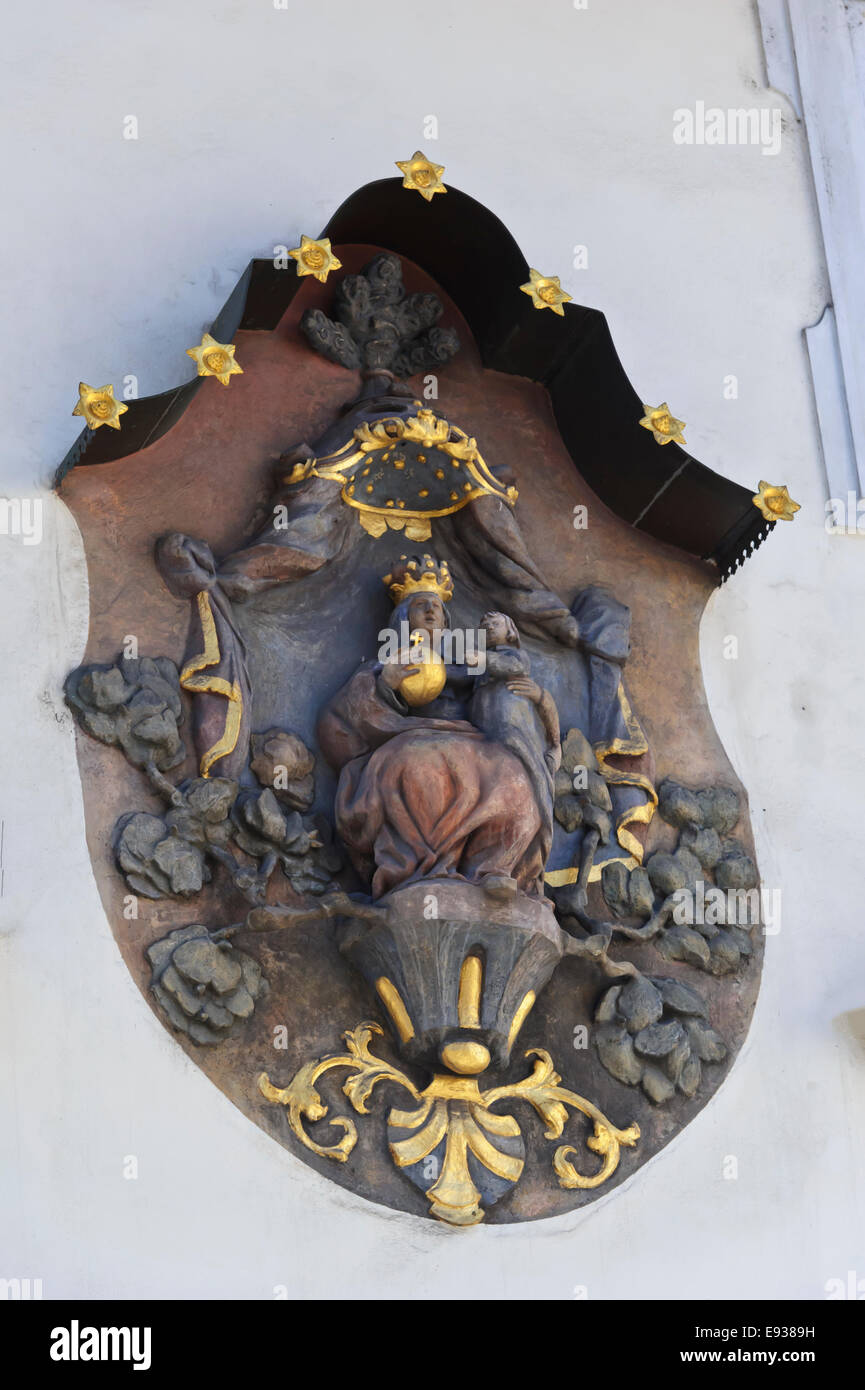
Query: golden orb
{"points": [[427, 683], [465, 1058]]}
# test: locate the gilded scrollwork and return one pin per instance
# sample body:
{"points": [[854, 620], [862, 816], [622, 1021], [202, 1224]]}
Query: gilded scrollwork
{"points": [[303, 1102], [544, 1092], [453, 1144]]}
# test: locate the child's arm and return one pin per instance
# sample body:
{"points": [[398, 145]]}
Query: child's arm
{"points": [[546, 707]]}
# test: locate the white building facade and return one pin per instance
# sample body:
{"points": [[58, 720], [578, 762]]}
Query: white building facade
{"points": [[153, 151]]}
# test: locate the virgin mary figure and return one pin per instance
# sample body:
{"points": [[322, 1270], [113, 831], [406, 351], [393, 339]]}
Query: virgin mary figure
{"points": [[423, 793]]}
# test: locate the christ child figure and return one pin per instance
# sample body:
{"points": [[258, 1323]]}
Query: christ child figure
{"points": [[507, 705]]}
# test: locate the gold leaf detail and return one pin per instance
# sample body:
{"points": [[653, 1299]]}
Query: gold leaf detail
{"points": [[303, 1101]]}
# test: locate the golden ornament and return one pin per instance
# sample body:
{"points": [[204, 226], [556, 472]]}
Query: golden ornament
{"points": [[98, 406], [422, 175], [546, 292], [451, 1108], [412, 577], [315, 258], [775, 503], [427, 683], [663, 424], [215, 359]]}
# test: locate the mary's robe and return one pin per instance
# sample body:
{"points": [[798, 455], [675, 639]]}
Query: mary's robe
{"points": [[422, 798]]}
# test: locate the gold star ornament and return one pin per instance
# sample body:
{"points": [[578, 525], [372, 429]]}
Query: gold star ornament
{"points": [[546, 292], [420, 174], [775, 503], [663, 424], [98, 406], [315, 258], [215, 359]]}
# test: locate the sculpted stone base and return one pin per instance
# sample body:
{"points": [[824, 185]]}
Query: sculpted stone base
{"points": [[458, 974], [457, 971]]}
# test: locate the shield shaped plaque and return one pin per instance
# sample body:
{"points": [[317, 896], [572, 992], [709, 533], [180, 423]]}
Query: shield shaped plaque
{"points": [[402, 792]]}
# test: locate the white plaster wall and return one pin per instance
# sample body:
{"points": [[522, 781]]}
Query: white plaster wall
{"points": [[254, 124]]}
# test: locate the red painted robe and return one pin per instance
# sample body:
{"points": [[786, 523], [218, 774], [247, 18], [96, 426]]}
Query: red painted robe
{"points": [[423, 798]]}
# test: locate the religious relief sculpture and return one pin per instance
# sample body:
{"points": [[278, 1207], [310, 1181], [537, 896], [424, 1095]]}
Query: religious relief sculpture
{"points": [[393, 750], [446, 809]]}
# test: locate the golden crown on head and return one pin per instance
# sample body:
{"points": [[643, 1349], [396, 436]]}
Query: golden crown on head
{"points": [[415, 575]]}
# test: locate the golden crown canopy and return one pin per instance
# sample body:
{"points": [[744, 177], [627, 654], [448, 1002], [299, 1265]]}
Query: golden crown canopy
{"points": [[415, 575], [399, 473]]}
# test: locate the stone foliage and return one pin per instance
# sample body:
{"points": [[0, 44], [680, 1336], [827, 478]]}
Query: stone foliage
{"points": [[206, 987], [654, 1032], [133, 704], [673, 893]]}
